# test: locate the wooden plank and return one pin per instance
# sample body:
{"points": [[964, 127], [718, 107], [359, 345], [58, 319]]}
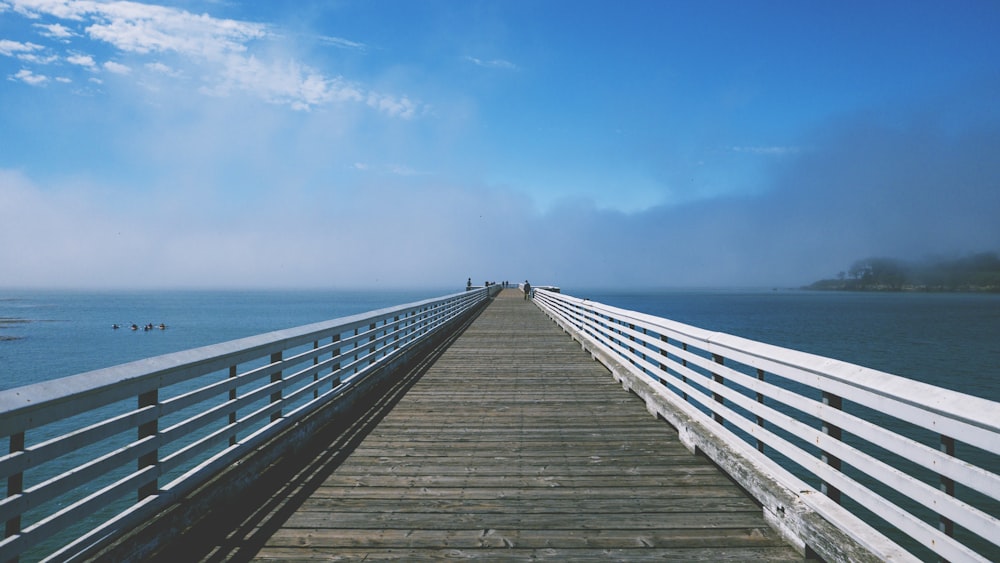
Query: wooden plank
{"points": [[623, 493], [514, 445], [310, 520], [486, 553], [529, 505], [528, 539], [547, 467]]}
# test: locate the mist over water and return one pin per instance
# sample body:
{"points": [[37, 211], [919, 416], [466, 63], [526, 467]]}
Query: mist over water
{"points": [[900, 184], [864, 187]]}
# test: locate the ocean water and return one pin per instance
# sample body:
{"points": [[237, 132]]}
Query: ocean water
{"points": [[950, 340], [50, 334]]}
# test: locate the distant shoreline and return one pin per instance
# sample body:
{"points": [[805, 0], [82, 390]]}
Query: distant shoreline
{"points": [[975, 273], [837, 285]]}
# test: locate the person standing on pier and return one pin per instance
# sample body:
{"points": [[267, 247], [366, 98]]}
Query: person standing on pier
{"points": [[527, 290]]}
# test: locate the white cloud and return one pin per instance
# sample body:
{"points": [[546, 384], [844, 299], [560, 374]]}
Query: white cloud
{"points": [[86, 61], [495, 63], [27, 52], [38, 59], [142, 28], [289, 82], [117, 68], [55, 31], [14, 48], [344, 43], [391, 105], [28, 77], [217, 50], [162, 69], [66, 9]]}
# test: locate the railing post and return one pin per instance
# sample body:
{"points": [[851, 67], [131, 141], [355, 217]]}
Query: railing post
{"points": [[760, 419], [15, 484], [406, 327], [644, 347], [355, 361], [836, 402], [371, 349], [631, 338], [148, 399], [395, 333], [663, 352], [684, 363], [316, 375], [275, 377], [335, 381], [947, 486], [232, 398], [717, 396]]}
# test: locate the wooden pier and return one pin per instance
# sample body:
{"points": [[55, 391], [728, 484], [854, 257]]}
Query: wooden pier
{"points": [[513, 444]]}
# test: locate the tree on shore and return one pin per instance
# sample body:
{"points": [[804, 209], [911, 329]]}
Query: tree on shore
{"points": [[974, 272]]}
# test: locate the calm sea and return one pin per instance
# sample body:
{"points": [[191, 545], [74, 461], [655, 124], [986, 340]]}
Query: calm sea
{"points": [[951, 340], [51, 334]]}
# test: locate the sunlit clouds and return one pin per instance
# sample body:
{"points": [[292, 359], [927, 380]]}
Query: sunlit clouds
{"points": [[225, 56]]}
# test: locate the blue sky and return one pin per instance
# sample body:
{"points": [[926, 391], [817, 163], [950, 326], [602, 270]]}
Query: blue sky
{"points": [[385, 143]]}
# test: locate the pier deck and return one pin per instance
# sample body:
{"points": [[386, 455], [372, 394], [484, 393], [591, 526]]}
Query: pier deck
{"points": [[513, 444]]}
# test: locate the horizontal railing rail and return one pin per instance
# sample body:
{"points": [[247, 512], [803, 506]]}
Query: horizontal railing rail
{"points": [[94, 454], [910, 468]]}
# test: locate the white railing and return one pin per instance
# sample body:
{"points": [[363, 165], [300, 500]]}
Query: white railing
{"points": [[896, 458], [94, 454]]}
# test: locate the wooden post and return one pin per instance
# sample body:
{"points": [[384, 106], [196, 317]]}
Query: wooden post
{"points": [[336, 366], [356, 331], [643, 353], [631, 350], [148, 399], [663, 352], [15, 484], [275, 377], [718, 397], [947, 485], [760, 419], [232, 414], [836, 402], [684, 363], [316, 375]]}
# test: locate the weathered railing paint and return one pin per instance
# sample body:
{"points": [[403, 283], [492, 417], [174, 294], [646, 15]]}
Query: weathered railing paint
{"points": [[179, 417], [713, 387]]}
